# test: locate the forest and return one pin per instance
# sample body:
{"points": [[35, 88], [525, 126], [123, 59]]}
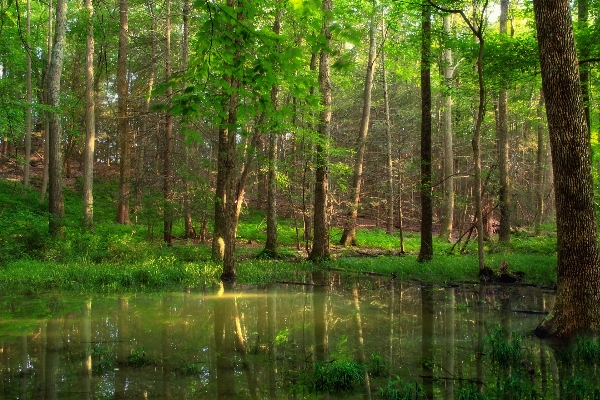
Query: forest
{"points": [[463, 126], [305, 198]]}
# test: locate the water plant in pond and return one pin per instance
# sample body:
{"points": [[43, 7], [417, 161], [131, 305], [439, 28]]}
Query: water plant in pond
{"points": [[505, 353], [104, 359], [337, 376], [137, 358]]}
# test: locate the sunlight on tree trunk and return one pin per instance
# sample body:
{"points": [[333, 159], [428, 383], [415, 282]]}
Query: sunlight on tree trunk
{"points": [[447, 221], [90, 123], [168, 138], [349, 234]]}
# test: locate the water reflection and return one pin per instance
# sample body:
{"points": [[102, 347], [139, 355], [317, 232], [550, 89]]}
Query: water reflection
{"points": [[263, 342]]}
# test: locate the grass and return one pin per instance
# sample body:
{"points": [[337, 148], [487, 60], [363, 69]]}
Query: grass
{"points": [[115, 257]]}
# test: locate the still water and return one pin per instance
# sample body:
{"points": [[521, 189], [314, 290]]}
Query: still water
{"points": [[265, 342]]}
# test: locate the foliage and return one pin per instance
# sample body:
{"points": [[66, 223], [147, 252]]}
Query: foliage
{"points": [[337, 376], [401, 390]]}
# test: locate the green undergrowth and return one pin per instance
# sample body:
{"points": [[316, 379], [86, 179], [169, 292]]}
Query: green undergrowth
{"points": [[114, 257]]}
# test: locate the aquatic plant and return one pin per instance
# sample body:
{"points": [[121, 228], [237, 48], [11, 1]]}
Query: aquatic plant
{"points": [[503, 352], [104, 359], [137, 358], [337, 376]]}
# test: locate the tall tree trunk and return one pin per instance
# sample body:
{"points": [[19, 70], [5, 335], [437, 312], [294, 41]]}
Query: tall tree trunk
{"points": [[56, 222], [502, 126], [349, 234], [388, 131], [271, 243], [167, 167], [539, 164], [47, 101], [426, 251], [320, 249], [190, 233], [447, 220], [90, 123], [26, 170], [123, 117], [476, 144], [578, 276]]}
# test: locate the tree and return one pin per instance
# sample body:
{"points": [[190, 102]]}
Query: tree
{"points": [[426, 251], [271, 242], [349, 234], [123, 116], [90, 122], [448, 205], [578, 276], [56, 205], [320, 249], [28, 109], [502, 129], [168, 135]]}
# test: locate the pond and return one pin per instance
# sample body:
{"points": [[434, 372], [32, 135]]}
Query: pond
{"points": [[326, 336]]}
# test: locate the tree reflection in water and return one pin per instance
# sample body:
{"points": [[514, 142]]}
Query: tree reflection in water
{"points": [[263, 342]]}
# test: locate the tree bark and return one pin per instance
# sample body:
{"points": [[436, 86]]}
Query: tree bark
{"points": [[426, 251], [167, 167], [349, 234], [502, 126], [190, 233], [320, 249], [56, 217], [388, 131], [539, 166], [584, 54], [90, 123], [123, 117], [447, 219], [578, 277], [47, 101], [26, 169], [271, 243]]}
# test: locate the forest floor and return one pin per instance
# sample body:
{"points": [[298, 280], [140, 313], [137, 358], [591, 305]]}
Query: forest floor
{"points": [[121, 257]]}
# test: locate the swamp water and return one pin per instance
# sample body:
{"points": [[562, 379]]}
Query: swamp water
{"points": [[351, 338]]}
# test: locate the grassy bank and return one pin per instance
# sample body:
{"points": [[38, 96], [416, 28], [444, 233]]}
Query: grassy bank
{"points": [[116, 257]]}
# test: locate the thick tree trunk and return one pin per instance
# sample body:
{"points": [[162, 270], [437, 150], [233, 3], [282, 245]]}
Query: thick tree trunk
{"points": [[502, 126], [56, 214], [320, 249], [90, 123], [349, 234], [447, 219], [167, 167], [577, 307], [123, 117], [426, 251]]}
